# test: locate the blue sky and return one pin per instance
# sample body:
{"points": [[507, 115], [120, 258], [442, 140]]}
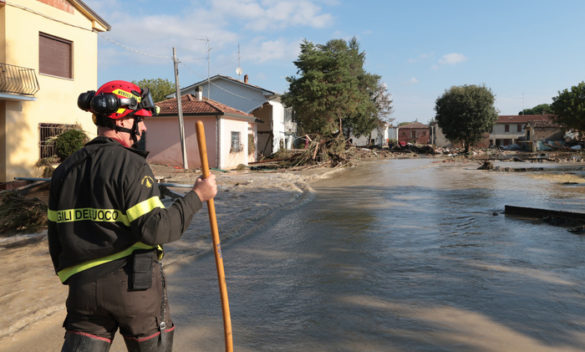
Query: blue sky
{"points": [[524, 51]]}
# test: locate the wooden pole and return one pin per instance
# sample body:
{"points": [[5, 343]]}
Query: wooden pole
{"points": [[227, 321]]}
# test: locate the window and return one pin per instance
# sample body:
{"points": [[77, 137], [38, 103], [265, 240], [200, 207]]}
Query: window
{"points": [[55, 56], [518, 128], [236, 145], [507, 128], [413, 134], [48, 132]]}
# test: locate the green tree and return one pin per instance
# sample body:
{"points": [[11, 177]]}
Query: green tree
{"points": [[159, 87], [540, 109], [569, 107], [333, 93], [464, 113]]}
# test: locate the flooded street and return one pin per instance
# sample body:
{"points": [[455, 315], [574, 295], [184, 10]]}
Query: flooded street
{"points": [[400, 255]]}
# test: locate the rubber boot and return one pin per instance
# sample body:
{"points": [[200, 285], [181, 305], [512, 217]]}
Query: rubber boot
{"points": [[83, 343], [155, 344]]}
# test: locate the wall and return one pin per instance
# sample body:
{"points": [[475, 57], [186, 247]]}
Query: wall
{"points": [[164, 143], [439, 138], [548, 133], [232, 94], [2, 33], [56, 102], [278, 131], [422, 135], [252, 130], [499, 136], [230, 160], [265, 134]]}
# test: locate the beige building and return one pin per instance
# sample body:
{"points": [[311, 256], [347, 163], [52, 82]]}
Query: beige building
{"points": [[48, 55], [231, 135]]}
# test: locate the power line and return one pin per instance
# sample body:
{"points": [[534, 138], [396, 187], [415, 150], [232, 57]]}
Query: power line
{"points": [[132, 50]]}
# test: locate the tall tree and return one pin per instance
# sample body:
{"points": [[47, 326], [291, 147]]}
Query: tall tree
{"points": [[540, 109], [383, 100], [464, 113], [333, 93], [159, 87], [569, 107]]}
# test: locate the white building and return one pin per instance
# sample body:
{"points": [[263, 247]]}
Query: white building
{"points": [[275, 127], [379, 136]]}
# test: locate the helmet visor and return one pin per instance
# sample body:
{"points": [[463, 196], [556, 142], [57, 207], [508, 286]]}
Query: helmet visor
{"points": [[147, 102]]}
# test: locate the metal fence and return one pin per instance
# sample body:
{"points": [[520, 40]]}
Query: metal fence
{"points": [[47, 132], [18, 80]]}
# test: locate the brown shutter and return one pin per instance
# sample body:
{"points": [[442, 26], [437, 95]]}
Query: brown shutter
{"points": [[55, 56]]}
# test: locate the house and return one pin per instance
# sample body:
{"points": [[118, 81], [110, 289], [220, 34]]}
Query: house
{"points": [[414, 132], [275, 130], [508, 129], [438, 138], [379, 136], [48, 55], [230, 134]]}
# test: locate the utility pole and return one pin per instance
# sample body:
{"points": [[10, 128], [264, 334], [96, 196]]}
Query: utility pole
{"points": [[180, 110], [208, 66]]}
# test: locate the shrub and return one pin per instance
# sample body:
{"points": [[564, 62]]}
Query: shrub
{"points": [[69, 142]]}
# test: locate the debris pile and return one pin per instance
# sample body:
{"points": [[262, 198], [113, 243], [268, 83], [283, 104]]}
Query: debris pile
{"points": [[19, 214]]}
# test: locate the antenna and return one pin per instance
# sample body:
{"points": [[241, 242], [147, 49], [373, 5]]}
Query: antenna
{"points": [[239, 69]]}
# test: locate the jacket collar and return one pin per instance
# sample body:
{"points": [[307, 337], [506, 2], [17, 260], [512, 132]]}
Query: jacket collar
{"points": [[109, 141]]}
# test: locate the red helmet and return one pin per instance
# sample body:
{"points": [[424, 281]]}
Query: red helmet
{"points": [[118, 99]]}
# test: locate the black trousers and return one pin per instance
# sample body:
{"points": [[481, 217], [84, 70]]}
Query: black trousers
{"points": [[99, 308]]}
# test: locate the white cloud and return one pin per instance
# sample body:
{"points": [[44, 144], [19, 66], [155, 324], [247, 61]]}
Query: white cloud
{"points": [[280, 49], [263, 15], [452, 59], [147, 36], [413, 80]]}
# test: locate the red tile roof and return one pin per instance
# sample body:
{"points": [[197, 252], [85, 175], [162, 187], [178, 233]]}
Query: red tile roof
{"points": [[523, 118], [414, 125], [191, 105]]}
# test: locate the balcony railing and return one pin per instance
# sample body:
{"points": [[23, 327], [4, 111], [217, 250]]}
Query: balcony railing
{"points": [[18, 80]]}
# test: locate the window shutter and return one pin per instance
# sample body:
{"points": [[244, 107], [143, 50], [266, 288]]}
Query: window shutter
{"points": [[55, 56]]}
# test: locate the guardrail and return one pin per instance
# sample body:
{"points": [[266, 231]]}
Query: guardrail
{"points": [[18, 80]]}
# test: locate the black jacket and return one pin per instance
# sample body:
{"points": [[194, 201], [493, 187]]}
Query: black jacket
{"points": [[103, 200]]}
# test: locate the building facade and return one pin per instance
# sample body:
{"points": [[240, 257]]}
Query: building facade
{"points": [[48, 55], [230, 134], [415, 133], [276, 130]]}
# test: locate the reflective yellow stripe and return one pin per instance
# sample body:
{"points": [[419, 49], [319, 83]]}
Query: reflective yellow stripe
{"points": [[68, 272], [92, 214], [144, 207]]}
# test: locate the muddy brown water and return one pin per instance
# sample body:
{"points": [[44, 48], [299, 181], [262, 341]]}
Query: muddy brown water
{"points": [[402, 255]]}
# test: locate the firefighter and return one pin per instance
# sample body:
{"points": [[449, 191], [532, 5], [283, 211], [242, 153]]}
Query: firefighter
{"points": [[107, 226]]}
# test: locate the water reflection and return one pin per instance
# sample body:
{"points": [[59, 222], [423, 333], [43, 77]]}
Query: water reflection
{"points": [[406, 255]]}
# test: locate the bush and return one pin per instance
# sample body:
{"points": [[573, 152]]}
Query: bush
{"points": [[69, 142]]}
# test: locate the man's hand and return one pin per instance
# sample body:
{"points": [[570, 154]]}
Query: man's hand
{"points": [[206, 189]]}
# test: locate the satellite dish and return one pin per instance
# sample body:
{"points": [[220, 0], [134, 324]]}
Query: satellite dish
{"points": [[239, 71]]}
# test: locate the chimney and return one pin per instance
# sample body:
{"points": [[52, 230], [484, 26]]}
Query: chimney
{"points": [[246, 79], [199, 94]]}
